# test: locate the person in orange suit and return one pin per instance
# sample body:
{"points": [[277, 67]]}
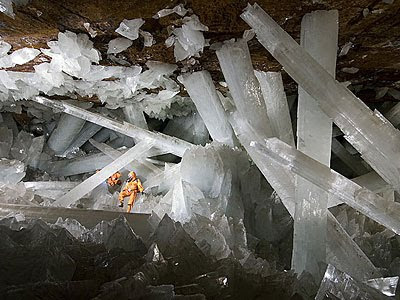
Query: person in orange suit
{"points": [[114, 179], [131, 188]]}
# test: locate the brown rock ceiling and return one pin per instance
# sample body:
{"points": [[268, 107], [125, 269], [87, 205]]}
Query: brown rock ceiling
{"points": [[376, 36]]}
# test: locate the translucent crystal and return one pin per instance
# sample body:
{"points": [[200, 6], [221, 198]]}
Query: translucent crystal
{"points": [[140, 164], [148, 38], [319, 35], [22, 56], [386, 286], [189, 39], [179, 10], [67, 129], [202, 91], [393, 115], [345, 253], [88, 130], [21, 145], [6, 7], [134, 115], [189, 128], [116, 234], [344, 287], [118, 45], [35, 151], [129, 29], [243, 85], [101, 176], [79, 165], [4, 48], [11, 171], [370, 133], [277, 106], [164, 142], [72, 225], [375, 207]]}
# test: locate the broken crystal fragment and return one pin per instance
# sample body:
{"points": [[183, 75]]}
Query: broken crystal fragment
{"points": [[129, 29], [202, 91], [345, 49], [6, 7], [89, 184], [148, 38], [118, 45], [179, 10], [22, 56], [189, 39], [368, 132], [4, 48]]}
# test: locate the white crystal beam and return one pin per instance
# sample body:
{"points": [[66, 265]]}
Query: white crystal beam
{"points": [[93, 181], [369, 132], [319, 35], [235, 61], [277, 105], [393, 115], [88, 130], [355, 262], [114, 154], [80, 165], [67, 129], [134, 115], [384, 212], [173, 145], [202, 91]]}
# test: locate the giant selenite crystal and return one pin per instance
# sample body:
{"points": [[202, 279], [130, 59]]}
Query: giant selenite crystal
{"points": [[162, 141], [369, 132], [68, 127], [235, 61], [89, 184], [373, 206], [202, 91], [319, 35], [277, 106], [342, 251]]}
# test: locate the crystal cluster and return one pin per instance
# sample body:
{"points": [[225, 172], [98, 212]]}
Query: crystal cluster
{"points": [[246, 193]]}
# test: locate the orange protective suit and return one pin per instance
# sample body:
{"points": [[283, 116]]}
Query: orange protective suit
{"points": [[131, 188], [114, 179]]}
